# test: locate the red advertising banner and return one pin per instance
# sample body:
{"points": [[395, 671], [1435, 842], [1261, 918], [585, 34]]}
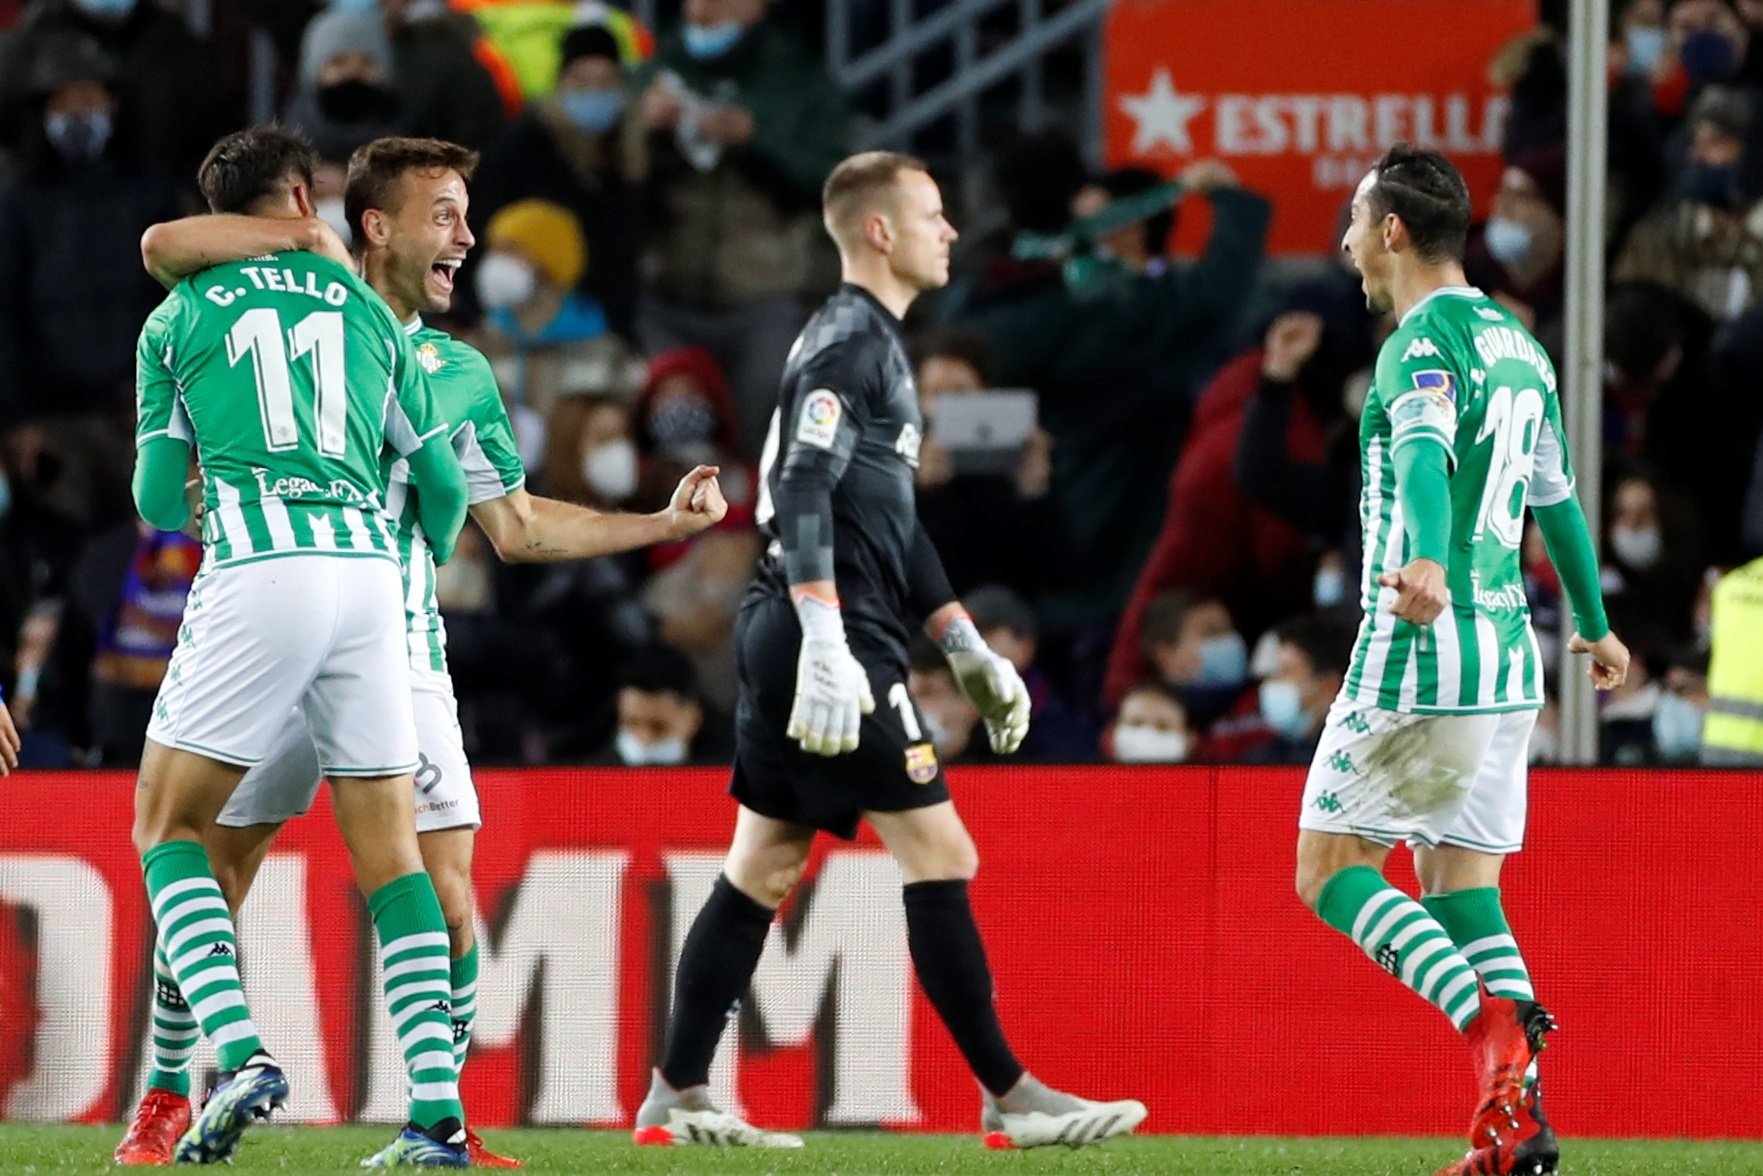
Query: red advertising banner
{"points": [[1299, 97], [1142, 927]]}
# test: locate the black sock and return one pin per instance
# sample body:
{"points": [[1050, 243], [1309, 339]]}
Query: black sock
{"points": [[951, 965], [715, 967]]}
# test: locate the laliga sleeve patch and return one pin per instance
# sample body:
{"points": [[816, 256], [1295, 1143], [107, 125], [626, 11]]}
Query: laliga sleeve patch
{"points": [[817, 423]]}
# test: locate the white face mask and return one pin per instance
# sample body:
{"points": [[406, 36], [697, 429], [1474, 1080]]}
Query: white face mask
{"points": [[942, 736], [611, 469], [330, 211], [1639, 549], [505, 281], [635, 752], [1148, 745]]}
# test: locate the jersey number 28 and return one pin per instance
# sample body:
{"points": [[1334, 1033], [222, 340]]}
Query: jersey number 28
{"points": [[258, 334], [1513, 420]]}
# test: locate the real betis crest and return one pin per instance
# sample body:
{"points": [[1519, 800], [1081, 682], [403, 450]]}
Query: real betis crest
{"points": [[429, 356]]}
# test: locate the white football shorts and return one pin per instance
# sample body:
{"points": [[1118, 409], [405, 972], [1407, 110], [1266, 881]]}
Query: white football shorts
{"points": [[1428, 780], [283, 786], [321, 633]]}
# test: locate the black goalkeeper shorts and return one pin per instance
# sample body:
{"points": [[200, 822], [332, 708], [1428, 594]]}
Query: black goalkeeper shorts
{"points": [[893, 769]]}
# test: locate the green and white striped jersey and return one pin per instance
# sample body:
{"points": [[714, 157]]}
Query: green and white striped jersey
{"points": [[293, 380], [465, 394], [1460, 372]]}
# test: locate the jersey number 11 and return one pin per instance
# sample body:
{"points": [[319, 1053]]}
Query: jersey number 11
{"points": [[258, 334]]}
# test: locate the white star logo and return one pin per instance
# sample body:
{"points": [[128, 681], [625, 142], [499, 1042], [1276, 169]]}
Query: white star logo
{"points": [[1161, 114]]}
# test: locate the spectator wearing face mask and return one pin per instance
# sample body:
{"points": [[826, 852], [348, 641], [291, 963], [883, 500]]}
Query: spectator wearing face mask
{"points": [[167, 83], [951, 723], [543, 336], [1313, 651], [684, 418], [1653, 561], [1217, 537], [1682, 708], [343, 95], [1150, 728], [1192, 646], [744, 126], [660, 715], [73, 294], [584, 149], [1706, 242], [1517, 257]]}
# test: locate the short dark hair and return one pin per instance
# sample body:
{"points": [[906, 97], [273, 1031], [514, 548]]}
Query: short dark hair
{"points": [[1164, 618], [1324, 638], [854, 182], [247, 166], [1427, 191], [660, 669], [1161, 689], [968, 346], [377, 167]]}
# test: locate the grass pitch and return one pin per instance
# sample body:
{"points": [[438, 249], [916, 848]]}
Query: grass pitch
{"points": [[340, 1149]]}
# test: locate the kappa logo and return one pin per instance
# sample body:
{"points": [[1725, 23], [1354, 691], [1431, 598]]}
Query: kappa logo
{"points": [[1389, 959], [1328, 802], [1422, 348], [220, 949]]}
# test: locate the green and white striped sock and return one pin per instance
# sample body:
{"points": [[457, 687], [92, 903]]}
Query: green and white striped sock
{"points": [[175, 1031], [1398, 934], [1476, 923], [196, 935], [464, 1004], [419, 991]]}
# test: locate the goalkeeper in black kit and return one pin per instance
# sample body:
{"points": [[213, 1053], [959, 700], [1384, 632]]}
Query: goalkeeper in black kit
{"points": [[826, 734]]}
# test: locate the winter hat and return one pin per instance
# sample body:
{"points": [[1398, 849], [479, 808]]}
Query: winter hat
{"points": [[547, 233]]}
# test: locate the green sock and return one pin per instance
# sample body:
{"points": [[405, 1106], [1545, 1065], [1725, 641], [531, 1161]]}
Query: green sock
{"points": [[174, 1031], [196, 934], [1398, 934], [413, 956], [1477, 925], [464, 1003]]}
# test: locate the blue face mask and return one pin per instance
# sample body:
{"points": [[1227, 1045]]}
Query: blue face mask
{"points": [[1329, 587], [1224, 661], [1713, 184], [1646, 45], [108, 9], [1282, 707], [1677, 728], [1708, 57], [593, 111], [707, 41], [1508, 241]]}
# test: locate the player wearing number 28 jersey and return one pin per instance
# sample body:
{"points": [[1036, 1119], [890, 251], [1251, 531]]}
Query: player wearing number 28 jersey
{"points": [[1427, 741]]}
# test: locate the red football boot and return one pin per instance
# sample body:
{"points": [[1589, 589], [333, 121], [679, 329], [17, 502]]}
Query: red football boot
{"points": [[1505, 1038], [1535, 1152], [483, 1157], [159, 1121]]}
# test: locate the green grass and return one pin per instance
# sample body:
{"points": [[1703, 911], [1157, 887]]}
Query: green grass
{"points": [[339, 1149]]}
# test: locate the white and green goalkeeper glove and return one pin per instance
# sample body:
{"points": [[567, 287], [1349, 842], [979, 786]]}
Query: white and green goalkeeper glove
{"points": [[989, 682]]}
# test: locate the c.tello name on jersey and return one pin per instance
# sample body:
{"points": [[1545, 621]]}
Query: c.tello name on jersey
{"points": [[282, 281]]}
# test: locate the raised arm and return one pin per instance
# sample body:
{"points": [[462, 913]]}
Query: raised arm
{"points": [[173, 250], [526, 529]]}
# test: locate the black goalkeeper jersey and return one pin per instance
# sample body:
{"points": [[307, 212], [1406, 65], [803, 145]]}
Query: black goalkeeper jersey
{"points": [[836, 493]]}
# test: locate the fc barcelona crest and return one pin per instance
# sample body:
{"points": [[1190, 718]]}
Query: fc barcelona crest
{"points": [[921, 763]]}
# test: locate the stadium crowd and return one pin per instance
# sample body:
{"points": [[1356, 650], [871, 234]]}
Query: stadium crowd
{"points": [[1170, 557]]}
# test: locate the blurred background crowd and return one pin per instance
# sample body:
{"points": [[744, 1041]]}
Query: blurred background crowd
{"points": [[1166, 547]]}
